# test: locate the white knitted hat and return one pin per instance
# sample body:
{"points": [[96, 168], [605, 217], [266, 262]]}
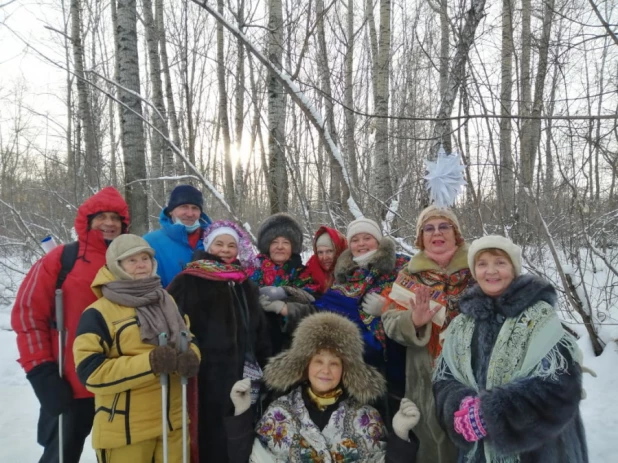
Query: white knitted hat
{"points": [[495, 242], [364, 225], [324, 240]]}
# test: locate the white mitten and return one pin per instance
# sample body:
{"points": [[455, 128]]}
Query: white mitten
{"points": [[373, 304], [406, 418], [241, 396]]}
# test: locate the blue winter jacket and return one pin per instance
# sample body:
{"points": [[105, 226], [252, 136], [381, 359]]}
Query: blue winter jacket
{"points": [[172, 248]]}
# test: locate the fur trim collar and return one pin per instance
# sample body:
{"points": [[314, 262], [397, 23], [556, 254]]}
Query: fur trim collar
{"points": [[523, 292], [330, 331], [383, 261], [421, 263]]}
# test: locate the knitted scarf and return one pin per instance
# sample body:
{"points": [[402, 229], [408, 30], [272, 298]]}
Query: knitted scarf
{"points": [[216, 271], [527, 346], [156, 310]]}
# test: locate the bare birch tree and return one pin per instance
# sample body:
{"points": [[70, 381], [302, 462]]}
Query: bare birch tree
{"points": [[131, 124]]}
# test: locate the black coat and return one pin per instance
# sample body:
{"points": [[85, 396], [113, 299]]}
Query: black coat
{"points": [[217, 310], [535, 418]]}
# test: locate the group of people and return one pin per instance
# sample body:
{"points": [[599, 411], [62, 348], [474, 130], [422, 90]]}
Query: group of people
{"points": [[361, 354]]}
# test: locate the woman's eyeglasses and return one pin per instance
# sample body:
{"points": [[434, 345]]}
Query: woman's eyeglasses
{"points": [[442, 228]]}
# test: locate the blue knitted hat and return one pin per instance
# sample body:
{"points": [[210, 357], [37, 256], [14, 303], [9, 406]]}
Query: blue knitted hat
{"points": [[185, 194]]}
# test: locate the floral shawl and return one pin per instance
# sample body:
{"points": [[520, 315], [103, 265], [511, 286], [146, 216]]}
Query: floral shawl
{"points": [[355, 433], [292, 273]]}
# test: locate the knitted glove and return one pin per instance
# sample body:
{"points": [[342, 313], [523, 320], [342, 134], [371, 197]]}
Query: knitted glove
{"points": [[271, 306], [54, 393], [274, 293], [163, 359], [188, 364], [406, 418], [469, 419], [373, 304], [241, 396]]}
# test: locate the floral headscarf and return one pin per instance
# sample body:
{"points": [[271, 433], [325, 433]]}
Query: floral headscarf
{"points": [[246, 254]]}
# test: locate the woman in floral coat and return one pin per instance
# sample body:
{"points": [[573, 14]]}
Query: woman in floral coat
{"points": [[324, 417]]}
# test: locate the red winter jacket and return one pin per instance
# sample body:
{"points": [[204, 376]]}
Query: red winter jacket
{"points": [[33, 311]]}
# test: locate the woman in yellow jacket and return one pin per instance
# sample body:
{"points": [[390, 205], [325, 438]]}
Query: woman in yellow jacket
{"points": [[118, 358]]}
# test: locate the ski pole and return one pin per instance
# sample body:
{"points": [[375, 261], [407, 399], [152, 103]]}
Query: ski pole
{"points": [[164, 379], [60, 328], [184, 345]]}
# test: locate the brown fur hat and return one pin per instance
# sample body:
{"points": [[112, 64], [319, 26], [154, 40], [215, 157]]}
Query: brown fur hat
{"points": [[326, 330]]}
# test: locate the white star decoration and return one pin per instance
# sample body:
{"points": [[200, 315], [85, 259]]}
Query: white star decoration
{"points": [[444, 178]]}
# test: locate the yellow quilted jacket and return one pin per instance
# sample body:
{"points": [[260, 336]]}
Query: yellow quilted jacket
{"points": [[113, 363]]}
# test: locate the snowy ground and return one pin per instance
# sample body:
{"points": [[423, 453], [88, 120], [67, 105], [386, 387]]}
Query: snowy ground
{"points": [[19, 406]]}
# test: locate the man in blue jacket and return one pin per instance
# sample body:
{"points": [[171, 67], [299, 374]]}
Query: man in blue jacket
{"points": [[182, 225]]}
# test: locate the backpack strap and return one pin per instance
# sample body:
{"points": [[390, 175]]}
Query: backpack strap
{"points": [[67, 261]]}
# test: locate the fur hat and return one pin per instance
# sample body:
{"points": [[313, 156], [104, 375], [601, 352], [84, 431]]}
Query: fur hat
{"points": [[326, 330], [126, 246], [494, 242], [185, 194], [433, 212], [277, 225], [364, 225]]}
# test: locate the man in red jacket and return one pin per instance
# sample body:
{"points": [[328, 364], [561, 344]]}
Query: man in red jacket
{"points": [[100, 219]]}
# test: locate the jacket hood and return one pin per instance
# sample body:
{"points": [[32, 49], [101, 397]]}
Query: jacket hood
{"points": [[383, 261], [420, 262], [106, 200], [523, 292], [337, 334], [104, 276]]}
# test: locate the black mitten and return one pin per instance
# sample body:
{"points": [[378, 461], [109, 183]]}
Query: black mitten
{"points": [[54, 393]]}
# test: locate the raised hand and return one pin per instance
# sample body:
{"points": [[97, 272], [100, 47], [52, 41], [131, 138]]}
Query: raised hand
{"points": [[421, 312]]}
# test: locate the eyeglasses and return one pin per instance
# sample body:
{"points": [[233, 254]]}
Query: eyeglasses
{"points": [[442, 228]]}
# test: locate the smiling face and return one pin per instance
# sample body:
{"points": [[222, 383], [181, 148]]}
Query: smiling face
{"points": [[438, 236], [280, 250], [224, 247], [362, 243], [188, 214], [137, 266], [494, 271], [324, 372], [108, 223]]}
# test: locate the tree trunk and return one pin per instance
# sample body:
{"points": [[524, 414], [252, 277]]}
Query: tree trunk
{"points": [[444, 62], [532, 127], [442, 127], [507, 174], [276, 113], [239, 110], [91, 155], [168, 164], [159, 148], [336, 175], [223, 113], [381, 178], [350, 120], [132, 129]]}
